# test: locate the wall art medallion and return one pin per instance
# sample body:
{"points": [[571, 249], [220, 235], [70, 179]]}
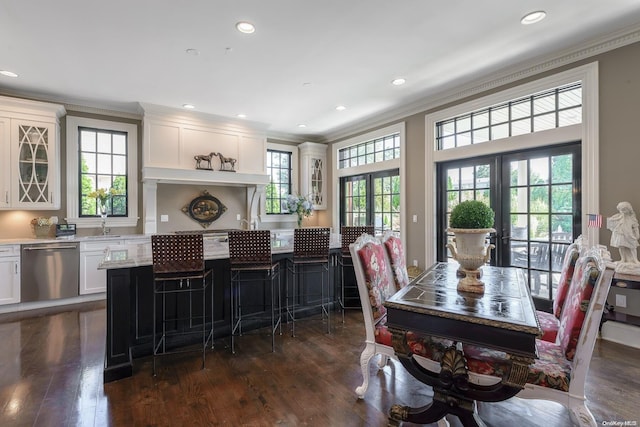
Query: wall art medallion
{"points": [[204, 209]]}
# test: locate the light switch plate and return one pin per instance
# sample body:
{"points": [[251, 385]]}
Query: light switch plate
{"points": [[621, 301], [164, 218]]}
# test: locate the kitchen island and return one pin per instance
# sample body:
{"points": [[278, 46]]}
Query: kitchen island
{"points": [[130, 297]]}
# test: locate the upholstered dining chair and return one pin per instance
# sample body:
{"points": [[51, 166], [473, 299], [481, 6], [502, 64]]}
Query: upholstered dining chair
{"points": [[395, 253], [348, 296]]}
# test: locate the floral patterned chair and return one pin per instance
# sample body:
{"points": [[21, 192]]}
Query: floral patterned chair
{"points": [[395, 253], [375, 285], [550, 322], [560, 372]]}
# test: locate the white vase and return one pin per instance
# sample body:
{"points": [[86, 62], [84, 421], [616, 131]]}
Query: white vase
{"points": [[472, 250]]}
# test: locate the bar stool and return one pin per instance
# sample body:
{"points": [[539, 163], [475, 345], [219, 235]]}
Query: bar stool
{"points": [[348, 296], [180, 282], [310, 257], [255, 278]]}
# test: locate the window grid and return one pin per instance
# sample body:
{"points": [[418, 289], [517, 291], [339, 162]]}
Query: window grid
{"points": [[554, 108], [279, 169], [373, 151], [103, 165]]}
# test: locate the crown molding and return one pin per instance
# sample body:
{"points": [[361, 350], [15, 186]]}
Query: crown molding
{"points": [[508, 75]]}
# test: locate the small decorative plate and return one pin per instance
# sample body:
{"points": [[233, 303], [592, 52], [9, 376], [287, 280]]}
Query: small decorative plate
{"points": [[204, 209]]}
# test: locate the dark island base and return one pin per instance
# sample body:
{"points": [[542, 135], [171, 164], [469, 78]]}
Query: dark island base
{"points": [[130, 308]]}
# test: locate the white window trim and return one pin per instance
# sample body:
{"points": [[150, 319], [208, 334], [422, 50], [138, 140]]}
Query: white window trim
{"points": [[587, 132], [295, 185], [398, 163], [73, 209]]}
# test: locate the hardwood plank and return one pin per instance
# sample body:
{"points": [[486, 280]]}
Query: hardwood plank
{"points": [[51, 375]]}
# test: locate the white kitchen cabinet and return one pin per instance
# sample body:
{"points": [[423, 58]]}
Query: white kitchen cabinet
{"points": [[9, 274], [93, 280], [313, 172], [29, 134]]}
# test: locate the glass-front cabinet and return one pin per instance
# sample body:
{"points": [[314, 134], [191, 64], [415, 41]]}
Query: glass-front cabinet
{"points": [[30, 177], [313, 172], [36, 161]]}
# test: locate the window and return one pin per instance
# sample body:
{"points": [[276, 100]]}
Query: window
{"points": [[279, 170], [369, 173], [103, 165], [548, 109], [101, 154]]}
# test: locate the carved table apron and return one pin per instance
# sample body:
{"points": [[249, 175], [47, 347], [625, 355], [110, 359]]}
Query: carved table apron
{"points": [[503, 318]]}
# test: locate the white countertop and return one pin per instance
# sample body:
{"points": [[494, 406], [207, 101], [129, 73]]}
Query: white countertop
{"points": [[136, 255], [33, 240]]}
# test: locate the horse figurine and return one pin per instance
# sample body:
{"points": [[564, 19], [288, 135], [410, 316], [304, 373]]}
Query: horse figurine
{"points": [[203, 157], [226, 161]]}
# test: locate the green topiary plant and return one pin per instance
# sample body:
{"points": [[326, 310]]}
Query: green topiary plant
{"points": [[471, 214]]}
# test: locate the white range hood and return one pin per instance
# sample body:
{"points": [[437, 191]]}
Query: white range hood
{"points": [[171, 141]]}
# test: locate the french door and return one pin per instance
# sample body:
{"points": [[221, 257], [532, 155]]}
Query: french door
{"points": [[371, 199], [536, 197]]}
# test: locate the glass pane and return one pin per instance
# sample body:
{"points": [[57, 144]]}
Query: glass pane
{"points": [[500, 131], [448, 142], [544, 104], [500, 115], [87, 140], [520, 110], [519, 227], [482, 176], [539, 173], [480, 135], [569, 117], [119, 144], [562, 169], [88, 161], [561, 226], [452, 200], [119, 165], [539, 197], [539, 284], [519, 201], [452, 179], [104, 142], [463, 124], [520, 127], [481, 119], [539, 227], [519, 172], [467, 177], [562, 198], [104, 163], [570, 98], [483, 196], [467, 195], [544, 122], [464, 139], [104, 181]]}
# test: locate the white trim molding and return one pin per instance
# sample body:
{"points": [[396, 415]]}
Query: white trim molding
{"points": [[399, 128], [587, 132], [73, 208]]}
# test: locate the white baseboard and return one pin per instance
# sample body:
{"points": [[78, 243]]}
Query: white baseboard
{"points": [[621, 333], [24, 306]]}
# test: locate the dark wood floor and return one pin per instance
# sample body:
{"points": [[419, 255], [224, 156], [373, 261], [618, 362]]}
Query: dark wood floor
{"points": [[51, 375]]}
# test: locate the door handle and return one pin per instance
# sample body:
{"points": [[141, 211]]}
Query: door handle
{"points": [[46, 248]]}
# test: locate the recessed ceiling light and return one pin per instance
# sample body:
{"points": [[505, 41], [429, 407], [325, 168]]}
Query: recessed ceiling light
{"points": [[533, 17], [399, 81], [189, 106], [242, 116], [8, 73], [301, 125], [194, 52], [341, 108], [245, 27]]}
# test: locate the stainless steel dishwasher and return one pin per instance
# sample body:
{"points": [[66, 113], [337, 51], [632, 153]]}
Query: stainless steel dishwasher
{"points": [[49, 271]]}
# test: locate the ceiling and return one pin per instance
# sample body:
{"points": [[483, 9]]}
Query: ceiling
{"points": [[304, 59]]}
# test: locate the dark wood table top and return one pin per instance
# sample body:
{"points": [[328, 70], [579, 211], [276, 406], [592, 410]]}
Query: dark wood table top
{"points": [[503, 317]]}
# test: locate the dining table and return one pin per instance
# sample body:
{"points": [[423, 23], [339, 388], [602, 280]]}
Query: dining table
{"points": [[501, 319]]}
